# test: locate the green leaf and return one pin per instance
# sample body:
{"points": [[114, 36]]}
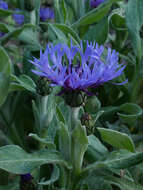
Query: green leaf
{"points": [[16, 32], [117, 139], [119, 160], [79, 146], [4, 27], [15, 160], [5, 62], [96, 150], [94, 15], [5, 13], [47, 142], [92, 105], [54, 177], [60, 115], [79, 7], [123, 159], [64, 141], [60, 35], [5, 70], [129, 112], [134, 21], [67, 30], [25, 82], [123, 183], [117, 20], [4, 87], [98, 32], [11, 186]]}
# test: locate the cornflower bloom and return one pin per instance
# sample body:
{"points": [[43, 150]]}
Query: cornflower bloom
{"points": [[46, 13], [75, 69], [95, 3], [18, 18], [2, 34], [26, 177], [3, 5]]}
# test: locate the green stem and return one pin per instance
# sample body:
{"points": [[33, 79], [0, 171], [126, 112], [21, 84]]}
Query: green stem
{"points": [[136, 83], [4, 118], [74, 116]]}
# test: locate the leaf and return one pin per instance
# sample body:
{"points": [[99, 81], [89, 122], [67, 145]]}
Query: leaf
{"points": [[67, 30], [117, 20], [60, 35], [16, 32], [134, 21], [129, 112], [121, 160], [25, 82], [96, 150], [4, 27], [92, 105], [5, 70], [94, 15], [11, 186], [123, 183], [79, 146], [59, 115], [5, 13], [79, 7], [98, 32], [47, 142], [5, 62], [54, 177], [15, 160], [4, 87], [117, 139], [64, 141]]}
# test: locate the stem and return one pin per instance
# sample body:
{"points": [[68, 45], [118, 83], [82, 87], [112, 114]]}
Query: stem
{"points": [[4, 118], [135, 83], [74, 116]]}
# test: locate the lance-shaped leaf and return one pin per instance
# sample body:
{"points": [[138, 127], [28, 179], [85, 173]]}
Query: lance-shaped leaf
{"points": [[67, 30], [134, 21], [124, 183], [117, 139], [94, 15], [5, 70], [129, 112], [59, 115], [121, 160], [79, 146], [15, 160], [64, 141]]}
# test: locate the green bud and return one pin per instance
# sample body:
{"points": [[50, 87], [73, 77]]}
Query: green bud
{"points": [[92, 105], [43, 86], [73, 98], [29, 4]]}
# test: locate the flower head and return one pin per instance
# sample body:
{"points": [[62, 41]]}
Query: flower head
{"points": [[3, 5], [46, 13], [77, 69], [96, 3], [26, 177], [19, 18], [2, 34]]}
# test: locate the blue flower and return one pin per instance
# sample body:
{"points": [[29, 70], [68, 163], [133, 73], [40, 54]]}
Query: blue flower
{"points": [[2, 34], [75, 69], [26, 177], [19, 18], [3, 5], [46, 13], [96, 3]]}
